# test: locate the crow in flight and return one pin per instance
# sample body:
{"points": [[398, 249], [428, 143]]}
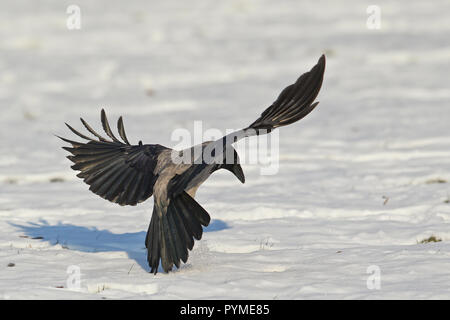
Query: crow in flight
{"points": [[129, 174]]}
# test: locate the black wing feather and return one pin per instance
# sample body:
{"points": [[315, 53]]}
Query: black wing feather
{"points": [[295, 101], [121, 130], [115, 170]]}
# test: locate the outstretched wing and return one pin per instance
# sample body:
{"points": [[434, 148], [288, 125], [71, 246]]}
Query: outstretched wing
{"points": [[116, 171], [295, 101]]}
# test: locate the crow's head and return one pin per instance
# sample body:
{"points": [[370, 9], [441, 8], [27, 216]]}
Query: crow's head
{"points": [[231, 163]]}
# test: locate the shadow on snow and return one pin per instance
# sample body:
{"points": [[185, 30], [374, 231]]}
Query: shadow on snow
{"points": [[91, 239]]}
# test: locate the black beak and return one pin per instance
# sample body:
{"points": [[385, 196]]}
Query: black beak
{"points": [[237, 171]]}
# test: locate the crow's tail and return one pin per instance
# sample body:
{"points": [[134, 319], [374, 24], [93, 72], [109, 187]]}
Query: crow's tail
{"points": [[172, 233]]}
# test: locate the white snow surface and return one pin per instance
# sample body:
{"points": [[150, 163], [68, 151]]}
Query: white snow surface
{"points": [[362, 180]]}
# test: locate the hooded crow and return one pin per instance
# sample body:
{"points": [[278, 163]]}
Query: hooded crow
{"points": [[128, 174]]}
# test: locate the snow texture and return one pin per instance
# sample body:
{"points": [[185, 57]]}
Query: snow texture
{"points": [[362, 180]]}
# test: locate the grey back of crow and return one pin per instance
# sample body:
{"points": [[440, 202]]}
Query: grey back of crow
{"points": [[129, 174]]}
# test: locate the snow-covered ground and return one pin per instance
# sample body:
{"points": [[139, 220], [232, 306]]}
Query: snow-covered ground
{"points": [[361, 182]]}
